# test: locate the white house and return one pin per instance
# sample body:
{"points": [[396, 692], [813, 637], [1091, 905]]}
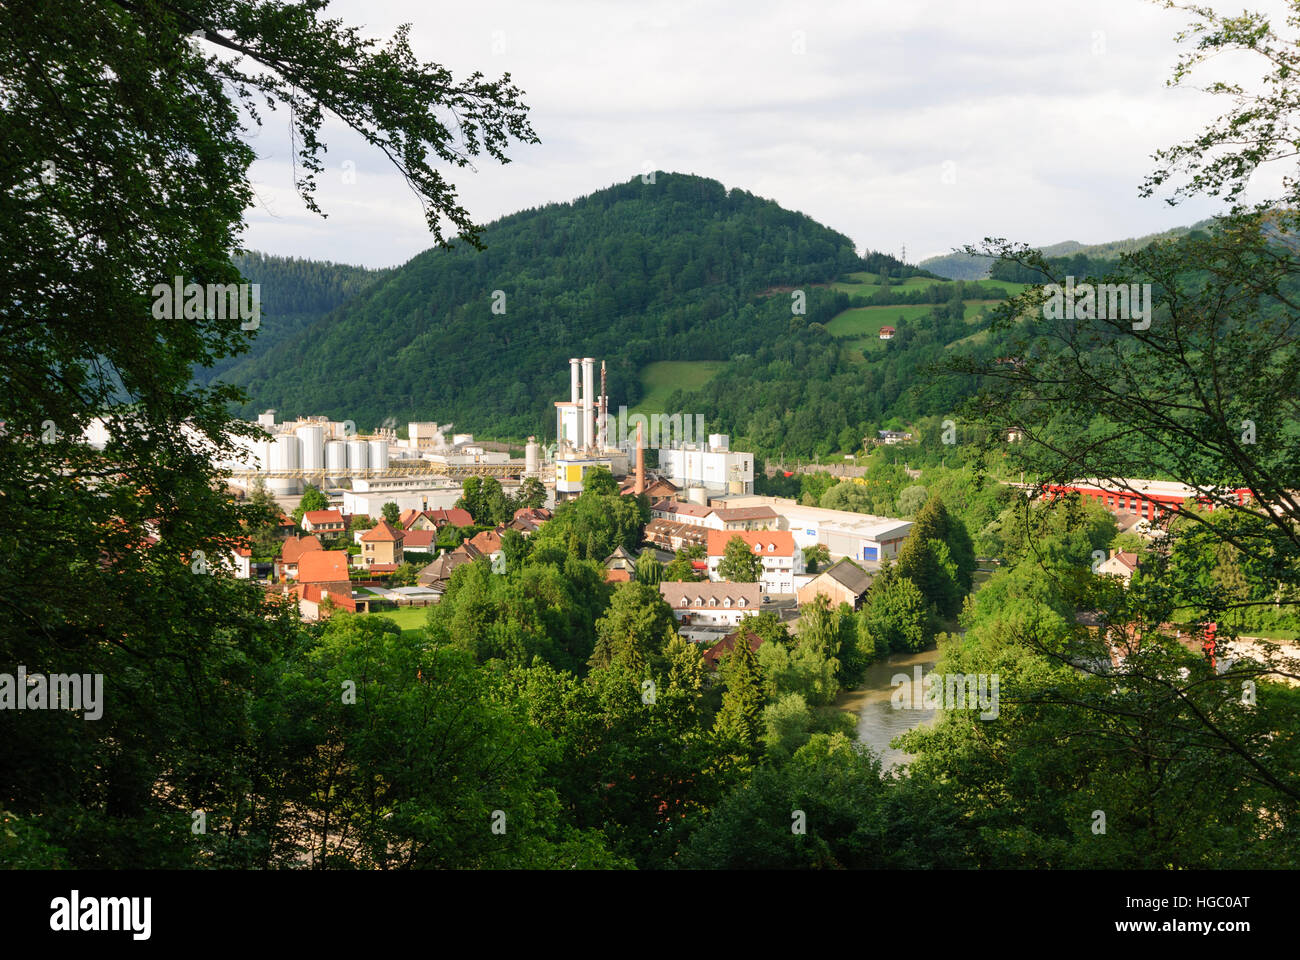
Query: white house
{"points": [[712, 604], [781, 558]]}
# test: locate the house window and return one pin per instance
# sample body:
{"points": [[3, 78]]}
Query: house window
{"points": [[740, 602], [713, 601], [726, 602]]}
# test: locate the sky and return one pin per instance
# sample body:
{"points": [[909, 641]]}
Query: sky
{"points": [[916, 125]]}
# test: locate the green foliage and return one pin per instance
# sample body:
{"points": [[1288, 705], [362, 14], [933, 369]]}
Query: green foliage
{"points": [[739, 563], [815, 557], [649, 569], [896, 614], [600, 481], [392, 513], [312, 499], [541, 610], [636, 627], [596, 523], [739, 722]]}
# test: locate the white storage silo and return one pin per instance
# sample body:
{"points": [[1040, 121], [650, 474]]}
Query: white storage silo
{"points": [[378, 454], [313, 447], [336, 459], [284, 456], [532, 457], [358, 456]]}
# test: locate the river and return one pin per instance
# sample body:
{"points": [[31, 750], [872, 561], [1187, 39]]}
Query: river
{"points": [[878, 721]]}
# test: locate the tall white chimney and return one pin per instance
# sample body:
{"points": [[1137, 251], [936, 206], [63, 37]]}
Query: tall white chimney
{"points": [[573, 398], [588, 402]]}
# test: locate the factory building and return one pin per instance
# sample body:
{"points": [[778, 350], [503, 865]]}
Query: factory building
{"points": [[713, 467], [862, 537]]}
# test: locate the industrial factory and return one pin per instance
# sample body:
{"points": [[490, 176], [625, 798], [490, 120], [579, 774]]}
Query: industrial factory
{"points": [[425, 469]]}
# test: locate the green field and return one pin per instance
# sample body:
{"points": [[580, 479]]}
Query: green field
{"points": [[871, 283], [857, 321], [662, 377], [407, 618]]}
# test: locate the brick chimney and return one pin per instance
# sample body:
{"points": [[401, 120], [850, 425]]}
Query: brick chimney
{"points": [[640, 464]]}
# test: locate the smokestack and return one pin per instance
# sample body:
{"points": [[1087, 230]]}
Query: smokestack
{"points": [[640, 464], [602, 435], [573, 398], [588, 403]]}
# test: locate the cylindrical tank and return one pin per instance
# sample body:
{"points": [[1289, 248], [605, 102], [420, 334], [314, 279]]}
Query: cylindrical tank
{"points": [[697, 495], [336, 459], [378, 454], [358, 455], [284, 455], [532, 457], [313, 447]]}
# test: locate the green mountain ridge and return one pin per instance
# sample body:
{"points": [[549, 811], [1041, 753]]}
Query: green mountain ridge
{"points": [[637, 272], [963, 266]]}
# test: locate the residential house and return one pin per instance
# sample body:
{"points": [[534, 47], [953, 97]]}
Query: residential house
{"points": [[726, 645], [781, 559], [620, 566], [419, 541], [435, 519], [487, 543], [681, 512], [291, 551], [673, 536], [381, 545], [655, 488], [312, 598], [842, 582], [438, 574], [528, 520], [719, 604], [330, 523], [327, 569], [761, 517], [243, 561], [1119, 564], [887, 333]]}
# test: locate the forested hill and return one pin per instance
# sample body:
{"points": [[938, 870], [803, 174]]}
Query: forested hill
{"points": [[669, 270], [295, 293]]}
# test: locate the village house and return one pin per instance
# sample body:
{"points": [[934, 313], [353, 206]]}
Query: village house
{"points": [[328, 568], [1119, 564], [435, 519], [327, 522], [711, 604], [724, 647], [842, 582], [672, 536], [487, 543], [381, 547], [291, 551], [781, 559], [620, 566], [419, 541]]}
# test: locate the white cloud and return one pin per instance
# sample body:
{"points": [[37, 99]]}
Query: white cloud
{"points": [[1047, 114]]}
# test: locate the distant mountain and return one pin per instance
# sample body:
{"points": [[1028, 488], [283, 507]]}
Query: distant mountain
{"points": [[677, 269], [961, 266]]}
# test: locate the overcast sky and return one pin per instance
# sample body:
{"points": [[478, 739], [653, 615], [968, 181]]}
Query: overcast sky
{"points": [[924, 123]]}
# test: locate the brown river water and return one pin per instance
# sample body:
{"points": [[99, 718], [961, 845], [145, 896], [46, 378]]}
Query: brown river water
{"points": [[878, 721]]}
